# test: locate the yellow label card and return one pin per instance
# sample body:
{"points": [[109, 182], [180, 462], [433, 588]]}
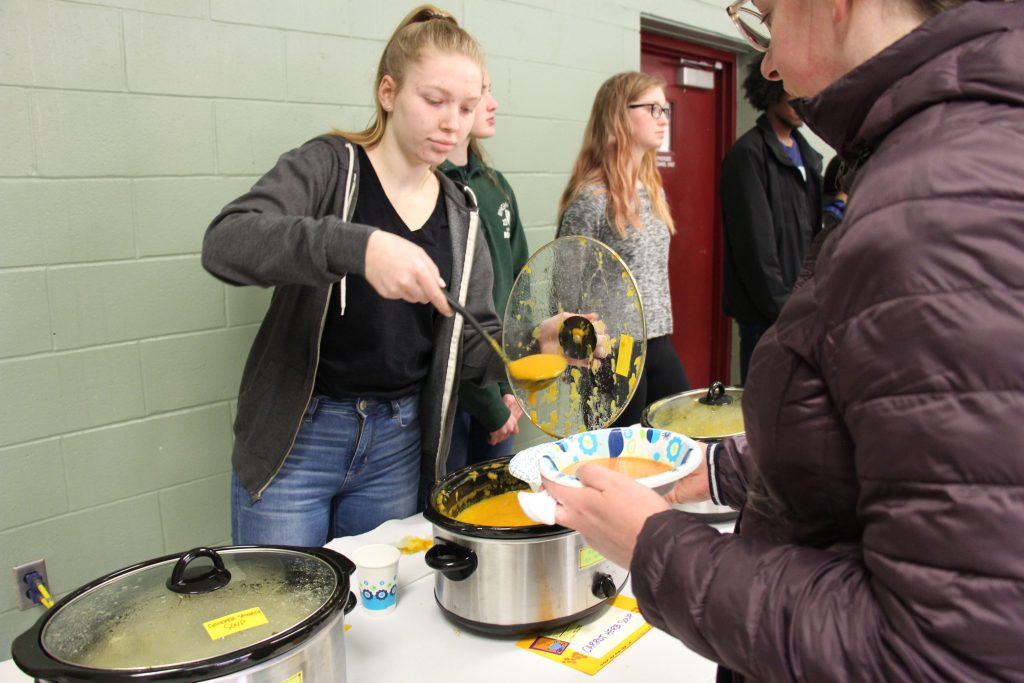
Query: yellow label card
{"points": [[235, 623], [297, 678], [625, 357], [589, 647], [589, 557]]}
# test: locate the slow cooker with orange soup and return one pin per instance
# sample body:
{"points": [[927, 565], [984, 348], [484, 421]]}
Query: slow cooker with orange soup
{"points": [[499, 575]]}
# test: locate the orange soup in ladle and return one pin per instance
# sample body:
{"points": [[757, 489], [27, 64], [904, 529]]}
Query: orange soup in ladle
{"points": [[537, 370]]}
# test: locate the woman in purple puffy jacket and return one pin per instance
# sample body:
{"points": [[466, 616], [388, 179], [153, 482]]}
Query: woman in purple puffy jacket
{"points": [[880, 483]]}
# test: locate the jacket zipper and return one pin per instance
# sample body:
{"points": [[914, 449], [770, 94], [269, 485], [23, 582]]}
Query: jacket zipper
{"points": [[449, 380], [319, 337]]}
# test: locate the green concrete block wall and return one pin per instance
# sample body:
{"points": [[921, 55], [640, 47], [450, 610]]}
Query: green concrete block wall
{"points": [[125, 125]]}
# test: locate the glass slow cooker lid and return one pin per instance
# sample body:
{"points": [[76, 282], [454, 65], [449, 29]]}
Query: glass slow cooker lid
{"points": [[703, 414], [577, 277], [136, 620]]}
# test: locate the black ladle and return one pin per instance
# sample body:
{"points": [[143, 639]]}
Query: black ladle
{"points": [[578, 337], [531, 384]]}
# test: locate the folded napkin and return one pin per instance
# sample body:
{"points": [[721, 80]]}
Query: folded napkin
{"points": [[540, 506]]}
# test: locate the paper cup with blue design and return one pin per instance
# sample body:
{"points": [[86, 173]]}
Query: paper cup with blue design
{"points": [[377, 577]]}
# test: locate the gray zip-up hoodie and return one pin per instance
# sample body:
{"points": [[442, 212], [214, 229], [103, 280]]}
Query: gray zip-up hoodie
{"points": [[292, 231]]}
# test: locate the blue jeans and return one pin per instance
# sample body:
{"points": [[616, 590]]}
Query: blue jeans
{"points": [[354, 465]]}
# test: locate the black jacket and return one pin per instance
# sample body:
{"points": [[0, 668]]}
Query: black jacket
{"points": [[770, 215]]}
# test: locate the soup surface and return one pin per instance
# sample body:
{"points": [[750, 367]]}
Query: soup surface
{"points": [[696, 420], [631, 467], [500, 510]]}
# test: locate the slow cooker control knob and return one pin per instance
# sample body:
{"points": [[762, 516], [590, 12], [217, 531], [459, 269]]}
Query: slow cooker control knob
{"points": [[604, 586]]}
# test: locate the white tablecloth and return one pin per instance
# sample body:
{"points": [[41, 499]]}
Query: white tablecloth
{"points": [[416, 644]]}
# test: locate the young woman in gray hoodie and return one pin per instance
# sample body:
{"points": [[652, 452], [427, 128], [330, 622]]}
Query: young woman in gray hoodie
{"points": [[350, 387]]}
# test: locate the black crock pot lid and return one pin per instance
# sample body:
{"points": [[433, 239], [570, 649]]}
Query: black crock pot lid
{"points": [[31, 656]]}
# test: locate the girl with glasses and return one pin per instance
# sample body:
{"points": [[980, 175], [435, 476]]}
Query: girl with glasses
{"points": [[350, 386], [615, 195], [881, 478]]}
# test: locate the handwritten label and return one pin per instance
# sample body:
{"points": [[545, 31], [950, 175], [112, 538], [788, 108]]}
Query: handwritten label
{"points": [[235, 623], [602, 643], [589, 557], [625, 355]]}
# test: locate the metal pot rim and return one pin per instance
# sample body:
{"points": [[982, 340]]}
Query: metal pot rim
{"points": [[645, 421], [501, 533]]}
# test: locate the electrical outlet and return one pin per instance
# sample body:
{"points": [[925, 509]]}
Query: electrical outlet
{"points": [[20, 572]]}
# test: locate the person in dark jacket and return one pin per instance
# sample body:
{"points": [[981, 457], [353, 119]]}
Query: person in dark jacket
{"points": [[488, 416], [881, 479], [771, 210]]}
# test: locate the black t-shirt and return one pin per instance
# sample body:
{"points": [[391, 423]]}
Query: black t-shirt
{"points": [[381, 348]]}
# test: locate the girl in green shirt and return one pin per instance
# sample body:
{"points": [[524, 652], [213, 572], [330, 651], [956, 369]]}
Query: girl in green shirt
{"points": [[488, 416]]}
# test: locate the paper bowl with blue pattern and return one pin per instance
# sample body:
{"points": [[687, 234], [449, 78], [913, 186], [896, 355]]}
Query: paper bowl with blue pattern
{"points": [[680, 453]]}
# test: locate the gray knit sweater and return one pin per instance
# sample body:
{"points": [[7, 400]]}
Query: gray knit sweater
{"points": [[645, 251]]}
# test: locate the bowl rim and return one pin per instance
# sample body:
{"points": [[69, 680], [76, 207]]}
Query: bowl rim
{"points": [[550, 471]]}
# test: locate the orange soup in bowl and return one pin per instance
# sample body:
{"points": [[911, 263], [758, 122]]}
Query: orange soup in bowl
{"points": [[637, 468]]}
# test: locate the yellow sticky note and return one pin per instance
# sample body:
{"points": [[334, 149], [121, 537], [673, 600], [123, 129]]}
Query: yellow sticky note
{"points": [[235, 623], [589, 557], [297, 678], [589, 647], [625, 355]]}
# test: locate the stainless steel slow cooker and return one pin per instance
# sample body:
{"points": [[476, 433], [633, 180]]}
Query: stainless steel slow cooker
{"points": [[508, 580], [236, 613], [505, 580], [710, 415]]}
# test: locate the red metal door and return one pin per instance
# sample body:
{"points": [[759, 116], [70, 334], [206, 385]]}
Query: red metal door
{"points": [[701, 93]]}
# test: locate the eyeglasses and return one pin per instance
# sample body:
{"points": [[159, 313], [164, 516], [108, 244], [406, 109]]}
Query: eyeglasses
{"points": [[656, 110], [751, 24]]}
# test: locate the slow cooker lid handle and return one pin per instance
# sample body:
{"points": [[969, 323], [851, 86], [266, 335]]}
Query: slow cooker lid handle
{"points": [[194, 580], [716, 396]]}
